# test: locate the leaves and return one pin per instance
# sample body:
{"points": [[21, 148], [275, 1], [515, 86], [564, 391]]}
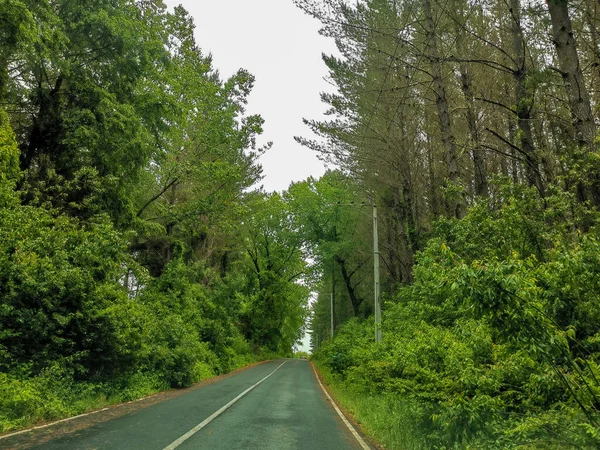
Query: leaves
{"points": [[127, 211]]}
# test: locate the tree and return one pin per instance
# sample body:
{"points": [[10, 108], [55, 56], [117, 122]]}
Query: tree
{"points": [[274, 267], [327, 215], [127, 169]]}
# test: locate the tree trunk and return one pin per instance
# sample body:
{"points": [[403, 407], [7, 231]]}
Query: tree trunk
{"points": [[432, 191], [407, 230], [466, 83], [591, 19], [333, 313], [456, 204], [350, 288], [570, 68], [577, 93], [524, 101], [512, 136]]}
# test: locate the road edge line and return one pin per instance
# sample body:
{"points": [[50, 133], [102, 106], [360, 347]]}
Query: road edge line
{"points": [[357, 436], [173, 445], [38, 427]]}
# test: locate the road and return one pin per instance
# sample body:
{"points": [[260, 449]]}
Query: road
{"points": [[274, 405]]}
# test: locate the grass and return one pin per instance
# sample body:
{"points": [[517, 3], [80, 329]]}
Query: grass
{"points": [[387, 419]]}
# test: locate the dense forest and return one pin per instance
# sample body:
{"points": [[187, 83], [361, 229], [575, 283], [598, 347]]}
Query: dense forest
{"points": [[473, 126], [136, 251]]}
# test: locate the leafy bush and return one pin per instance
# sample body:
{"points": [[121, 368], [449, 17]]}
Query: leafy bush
{"points": [[61, 295], [496, 342]]}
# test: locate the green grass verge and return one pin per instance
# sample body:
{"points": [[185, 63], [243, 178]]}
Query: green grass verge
{"points": [[388, 420]]}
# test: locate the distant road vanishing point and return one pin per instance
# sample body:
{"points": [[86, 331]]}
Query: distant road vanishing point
{"points": [[274, 405]]}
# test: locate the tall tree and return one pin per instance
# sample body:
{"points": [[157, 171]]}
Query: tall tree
{"points": [[274, 265]]}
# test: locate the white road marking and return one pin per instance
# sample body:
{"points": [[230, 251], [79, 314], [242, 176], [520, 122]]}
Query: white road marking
{"points": [[51, 424], [360, 440], [216, 414]]}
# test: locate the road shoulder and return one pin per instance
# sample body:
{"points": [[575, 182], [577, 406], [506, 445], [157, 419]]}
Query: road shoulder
{"points": [[339, 409]]}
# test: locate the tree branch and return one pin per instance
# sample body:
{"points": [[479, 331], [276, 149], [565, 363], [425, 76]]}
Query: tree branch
{"points": [[156, 197]]}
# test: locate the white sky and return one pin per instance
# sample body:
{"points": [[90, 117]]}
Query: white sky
{"points": [[280, 45]]}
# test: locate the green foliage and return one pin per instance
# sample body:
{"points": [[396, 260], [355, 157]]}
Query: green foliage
{"points": [[495, 344], [60, 281], [332, 222], [274, 301], [389, 419], [9, 152], [9, 162], [54, 393], [127, 218]]}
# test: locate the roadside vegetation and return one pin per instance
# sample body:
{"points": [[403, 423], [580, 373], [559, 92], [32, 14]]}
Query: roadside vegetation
{"points": [[462, 123], [494, 344], [136, 253]]}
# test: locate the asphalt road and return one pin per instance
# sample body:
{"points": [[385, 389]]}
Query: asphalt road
{"points": [[274, 405]]}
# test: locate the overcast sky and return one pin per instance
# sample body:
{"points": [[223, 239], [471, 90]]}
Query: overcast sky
{"points": [[280, 45]]}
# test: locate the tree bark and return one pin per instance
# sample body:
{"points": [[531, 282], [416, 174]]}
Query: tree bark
{"points": [[456, 205], [524, 100], [466, 84], [577, 94], [570, 68], [355, 300], [432, 187]]}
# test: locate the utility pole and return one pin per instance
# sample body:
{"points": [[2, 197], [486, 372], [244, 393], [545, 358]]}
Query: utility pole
{"points": [[332, 296], [376, 286], [332, 315], [376, 277]]}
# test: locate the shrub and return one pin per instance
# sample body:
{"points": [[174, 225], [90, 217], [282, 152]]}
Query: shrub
{"points": [[496, 342]]}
